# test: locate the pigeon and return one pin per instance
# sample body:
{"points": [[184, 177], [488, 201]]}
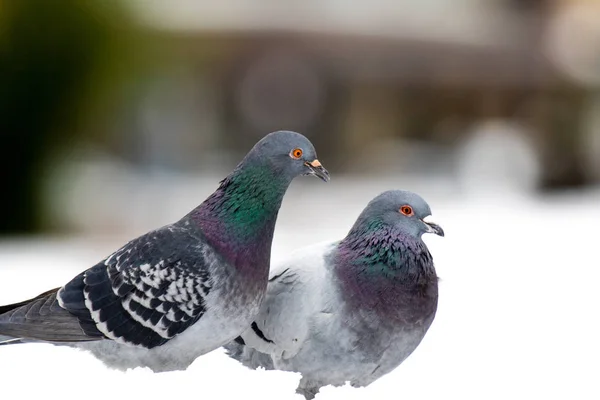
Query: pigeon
{"points": [[180, 291], [350, 310]]}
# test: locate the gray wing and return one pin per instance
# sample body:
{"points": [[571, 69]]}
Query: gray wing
{"points": [[144, 294], [41, 318], [294, 298]]}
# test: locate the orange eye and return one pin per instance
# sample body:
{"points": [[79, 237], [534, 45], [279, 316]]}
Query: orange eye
{"points": [[407, 210], [296, 153]]}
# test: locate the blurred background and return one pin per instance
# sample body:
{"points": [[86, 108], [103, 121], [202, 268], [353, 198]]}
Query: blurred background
{"points": [[118, 117], [114, 113]]}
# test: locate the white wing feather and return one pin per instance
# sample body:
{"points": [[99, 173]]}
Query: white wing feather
{"points": [[295, 296]]}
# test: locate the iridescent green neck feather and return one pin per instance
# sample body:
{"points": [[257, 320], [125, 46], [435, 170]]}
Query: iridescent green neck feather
{"points": [[239, 218], [249, 201]]}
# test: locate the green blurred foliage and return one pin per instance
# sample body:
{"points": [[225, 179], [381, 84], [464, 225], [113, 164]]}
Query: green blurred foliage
{"points": [[60, 62]]}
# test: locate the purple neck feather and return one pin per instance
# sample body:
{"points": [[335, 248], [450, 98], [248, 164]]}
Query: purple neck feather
{"points": [[387, 272], [238, 219]]}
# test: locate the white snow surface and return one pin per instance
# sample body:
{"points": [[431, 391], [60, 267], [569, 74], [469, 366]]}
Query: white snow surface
{"points": [[517, 319]]}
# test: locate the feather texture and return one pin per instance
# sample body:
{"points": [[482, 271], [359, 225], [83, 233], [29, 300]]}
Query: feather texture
{"points": [[351, 310], [180, 291]]}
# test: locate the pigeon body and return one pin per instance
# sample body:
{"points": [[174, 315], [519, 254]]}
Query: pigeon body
{"points": [[180, 291], [351, 310]]}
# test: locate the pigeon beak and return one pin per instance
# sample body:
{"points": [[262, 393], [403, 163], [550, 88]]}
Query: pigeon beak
{"points": [[315, 168], [433, 228]]}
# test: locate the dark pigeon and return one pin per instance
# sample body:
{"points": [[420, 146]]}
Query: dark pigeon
{"points": [[351, 310], [183, 290]]}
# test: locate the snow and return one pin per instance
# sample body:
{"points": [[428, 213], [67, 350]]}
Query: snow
{"points": [[518, 314]]}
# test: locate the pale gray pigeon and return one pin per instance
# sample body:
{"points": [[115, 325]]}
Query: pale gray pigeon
{"points": [[351, 310], [183, 290]]}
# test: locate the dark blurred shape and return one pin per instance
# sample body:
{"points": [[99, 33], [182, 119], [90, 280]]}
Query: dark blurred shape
{"points": [[53, 56], [280, 90], [447, 89], [529, 5]]}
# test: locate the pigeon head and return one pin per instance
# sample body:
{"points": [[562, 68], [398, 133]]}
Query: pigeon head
{"points": [[289, 154], [402, 211], [238, 219]]}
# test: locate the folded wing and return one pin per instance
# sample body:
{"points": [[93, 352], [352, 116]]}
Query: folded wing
{"points": [[144, 294]]}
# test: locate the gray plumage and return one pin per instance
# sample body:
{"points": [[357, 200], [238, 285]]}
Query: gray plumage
{"points": [[180, 291], [351, 310]]}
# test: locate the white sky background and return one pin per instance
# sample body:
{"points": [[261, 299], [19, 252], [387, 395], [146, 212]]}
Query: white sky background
{"points": [[517, 318]]}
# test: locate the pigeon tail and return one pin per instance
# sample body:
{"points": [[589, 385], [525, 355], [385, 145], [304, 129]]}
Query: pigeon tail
{"points": [[40, 319], [9, 307], [6, 340]]}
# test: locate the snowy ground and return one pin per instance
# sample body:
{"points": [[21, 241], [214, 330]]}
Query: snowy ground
{"points": [[517, 317]]}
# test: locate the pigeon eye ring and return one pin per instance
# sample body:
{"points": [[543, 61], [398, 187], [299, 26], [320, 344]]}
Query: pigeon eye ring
{"points": [[296, 153], [407, 210]]}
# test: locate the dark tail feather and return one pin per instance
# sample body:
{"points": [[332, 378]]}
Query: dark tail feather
{"points": [[10, 307], [239, 340], [6, 340], [40, 319]]}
